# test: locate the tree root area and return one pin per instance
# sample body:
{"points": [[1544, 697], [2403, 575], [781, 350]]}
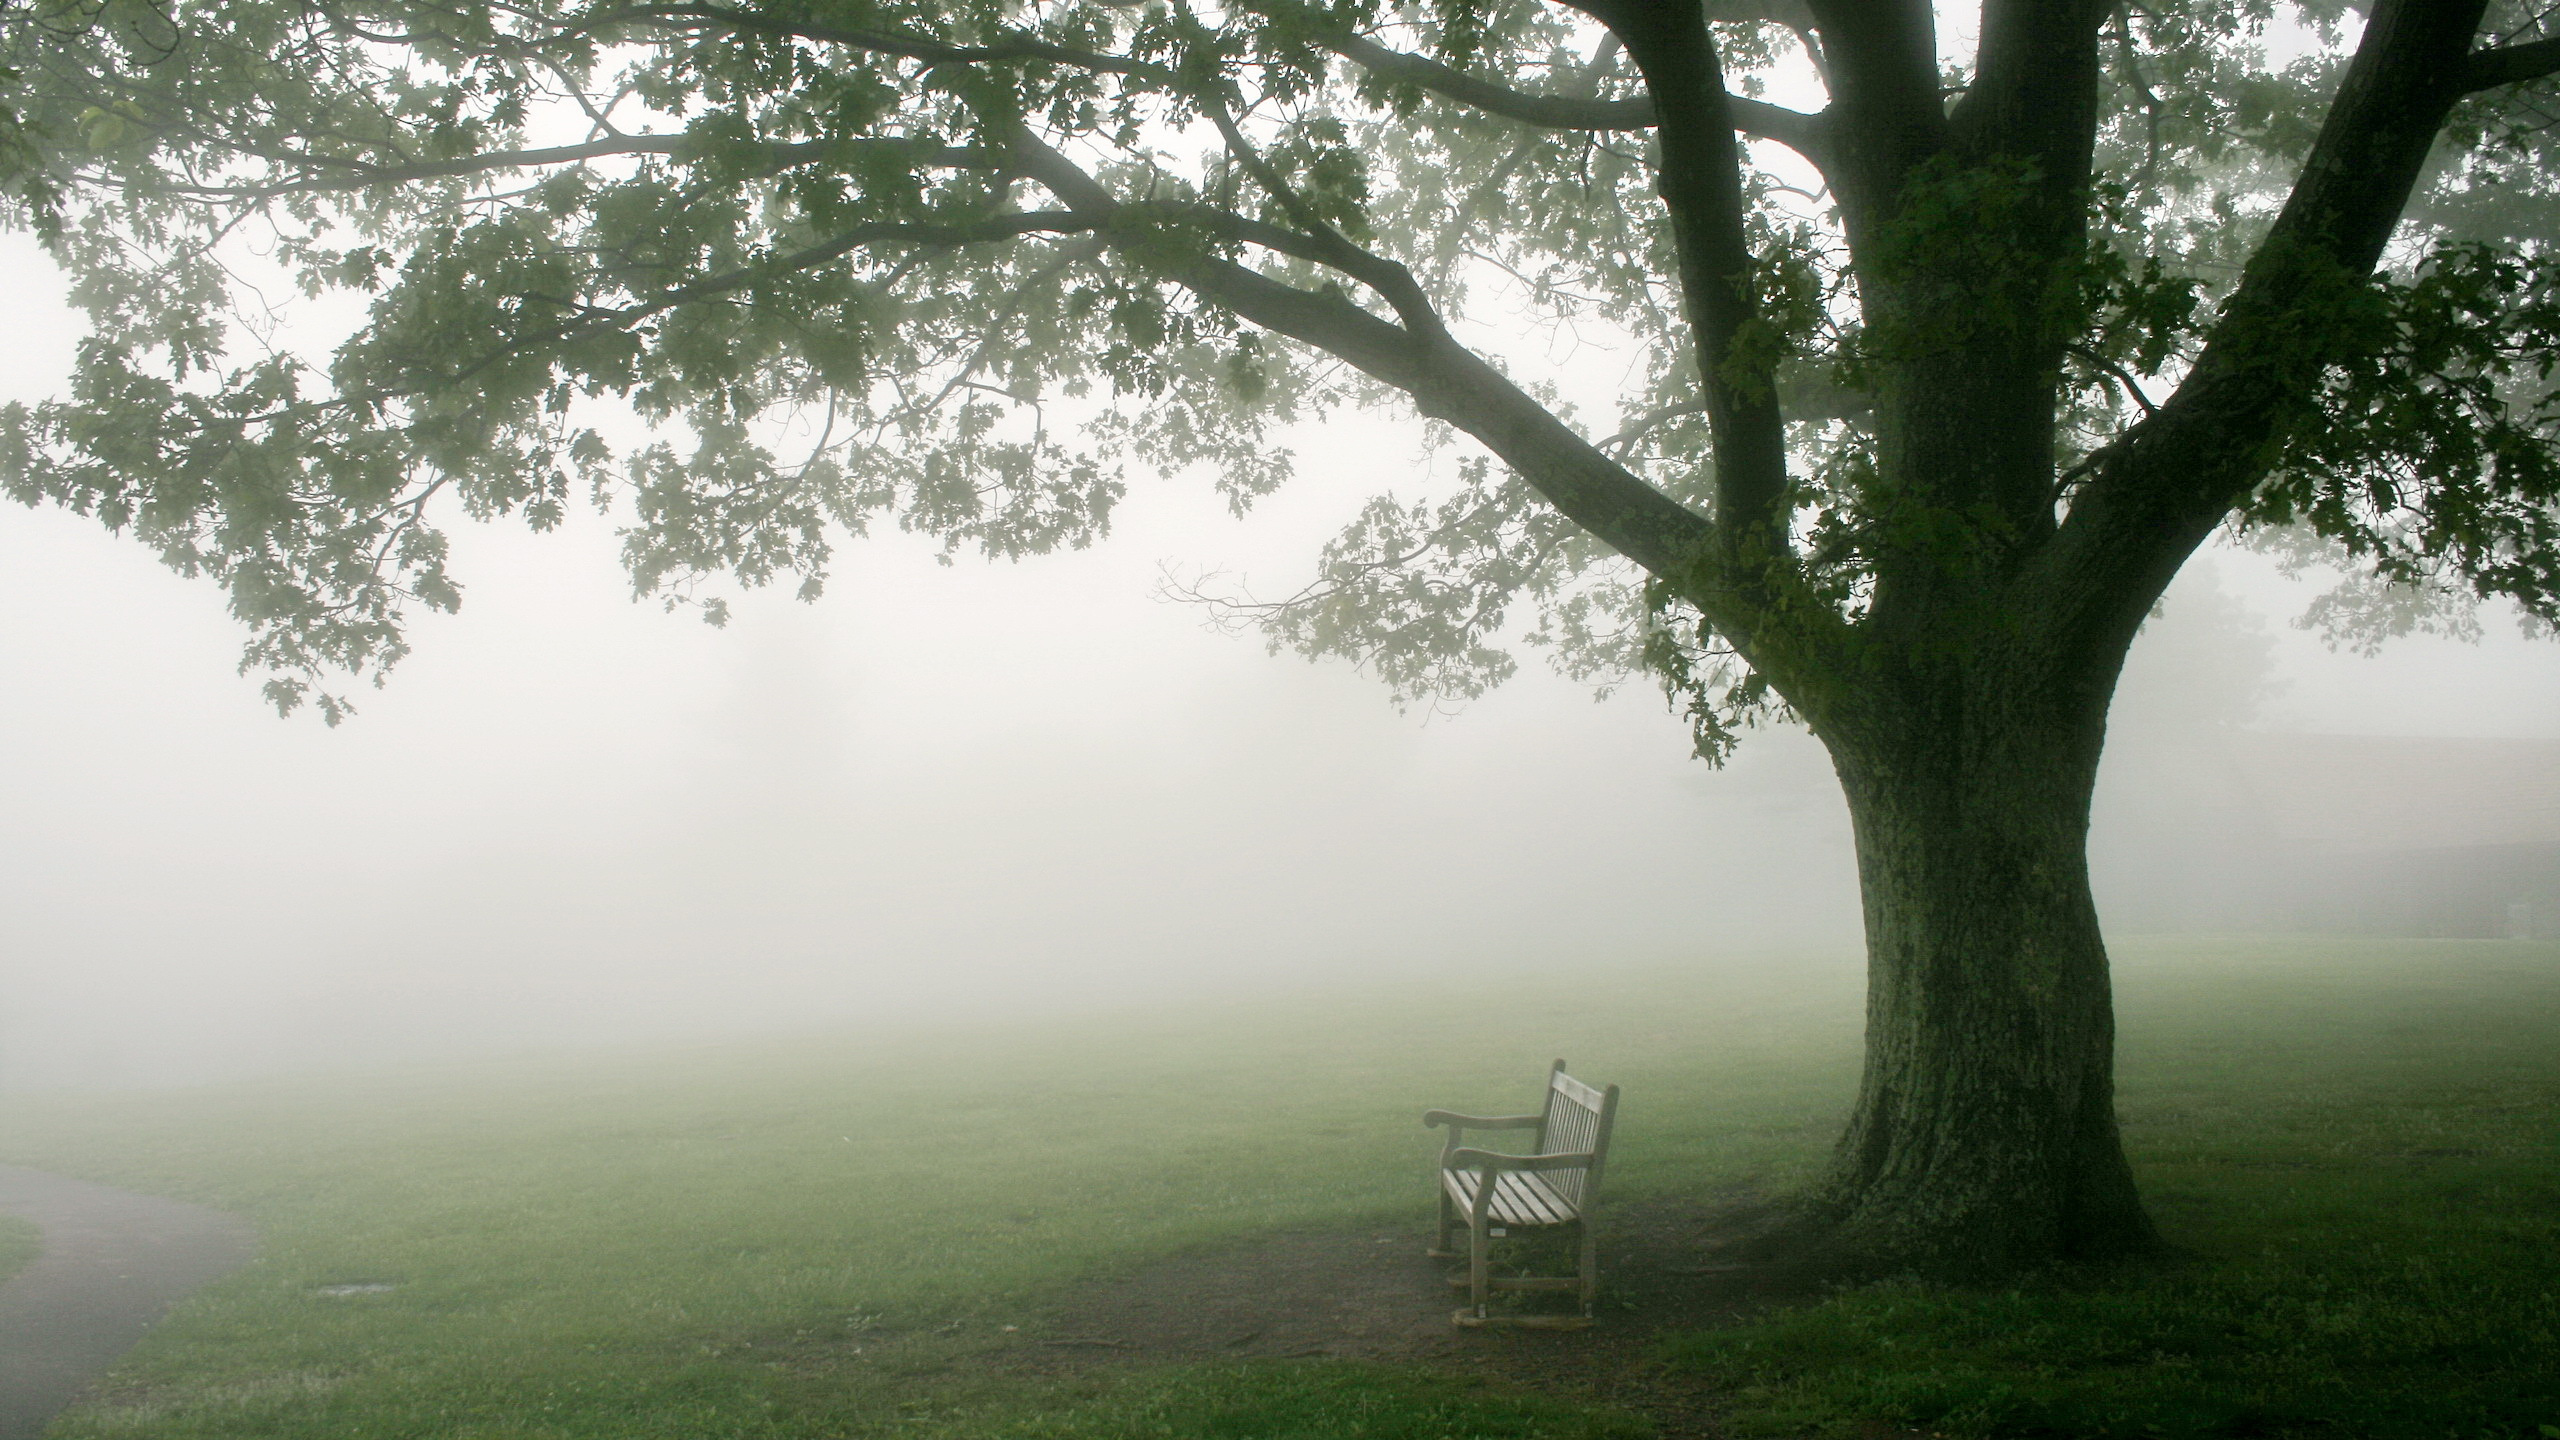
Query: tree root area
{"points": [[1373, 1295]]}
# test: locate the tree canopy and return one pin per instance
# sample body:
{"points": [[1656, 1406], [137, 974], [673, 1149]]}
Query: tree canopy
{"points": [[1004, 251]]}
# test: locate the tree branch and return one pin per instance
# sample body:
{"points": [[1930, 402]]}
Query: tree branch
{"points": [[1393, 282], [1794, 640], [1449, 383], [1014, 46], [2035, 90], [1759, 119], [2511, 64], [946, 234], [1701, 183], [1551, 112], [1445, 381], [358, 174], [2160, 488], [1883, 58]]}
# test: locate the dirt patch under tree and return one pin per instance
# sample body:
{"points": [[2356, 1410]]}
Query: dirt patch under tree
{"points": [[1372, 1294]]}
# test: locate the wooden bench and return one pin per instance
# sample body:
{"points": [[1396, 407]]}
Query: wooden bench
{"points": [[1493, 1192]]}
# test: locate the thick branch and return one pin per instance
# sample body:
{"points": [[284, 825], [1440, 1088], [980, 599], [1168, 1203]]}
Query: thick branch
{"points": [[2035, 90], [1446, 382], [1794, 642], [1888, 114], [2412, 65], [2160, 488], [2511, 64], [1701, 183]]}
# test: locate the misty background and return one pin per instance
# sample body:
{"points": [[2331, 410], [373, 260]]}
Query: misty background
{"points": [[946, 792]]}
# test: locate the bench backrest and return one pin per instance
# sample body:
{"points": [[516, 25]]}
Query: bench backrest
{"points": [[1577, 1119]]}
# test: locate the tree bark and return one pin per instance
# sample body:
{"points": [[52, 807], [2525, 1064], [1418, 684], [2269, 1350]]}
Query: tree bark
{"points": [[1984, 1138]]}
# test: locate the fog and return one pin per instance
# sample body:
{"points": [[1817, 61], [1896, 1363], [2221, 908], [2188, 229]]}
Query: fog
{"points": [[947, 792]]}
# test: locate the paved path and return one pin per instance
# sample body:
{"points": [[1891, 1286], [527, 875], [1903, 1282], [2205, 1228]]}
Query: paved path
{"points": [[113, 1264]]}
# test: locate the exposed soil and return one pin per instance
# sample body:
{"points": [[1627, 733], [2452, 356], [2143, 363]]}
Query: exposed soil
{"points": [[1373, 1295]]}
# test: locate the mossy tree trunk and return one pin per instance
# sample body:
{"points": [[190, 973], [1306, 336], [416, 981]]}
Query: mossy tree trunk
{"points": [[1984, 1136]]}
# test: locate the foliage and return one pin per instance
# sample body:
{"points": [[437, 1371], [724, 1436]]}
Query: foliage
{"points": [[2426, 453], [958, 266]]}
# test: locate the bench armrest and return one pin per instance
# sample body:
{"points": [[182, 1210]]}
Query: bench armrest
{"points": [[1434, 1119], [1471, 1159]]}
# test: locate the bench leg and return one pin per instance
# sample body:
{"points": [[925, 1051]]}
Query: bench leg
{"points": [[1479, 1267], [1590, 1267], [1442, 1250]]}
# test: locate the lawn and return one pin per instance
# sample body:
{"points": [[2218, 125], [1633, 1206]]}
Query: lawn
{"points": [[2360, 1145], [19, 1243], [2359, 1142]]}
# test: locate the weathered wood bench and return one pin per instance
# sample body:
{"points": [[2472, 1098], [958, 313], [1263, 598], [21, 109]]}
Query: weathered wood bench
{"points": [[1553, 1183]]}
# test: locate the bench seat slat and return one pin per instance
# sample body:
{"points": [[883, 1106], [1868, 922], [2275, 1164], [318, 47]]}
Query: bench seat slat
{"points": [[1532, 1196], [1517, 1199]]}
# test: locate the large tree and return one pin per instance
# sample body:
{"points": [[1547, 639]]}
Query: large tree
{"points": [[1933, 374]]}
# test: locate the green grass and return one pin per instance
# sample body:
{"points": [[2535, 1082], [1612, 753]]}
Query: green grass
{"points": [[2358, 1140], [2362, 1153], [20, 1241], [1327, 1401], [643, 1245]]}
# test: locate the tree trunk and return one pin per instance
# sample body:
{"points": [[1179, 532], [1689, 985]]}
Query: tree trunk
{"points": [[1984, 1137]]}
